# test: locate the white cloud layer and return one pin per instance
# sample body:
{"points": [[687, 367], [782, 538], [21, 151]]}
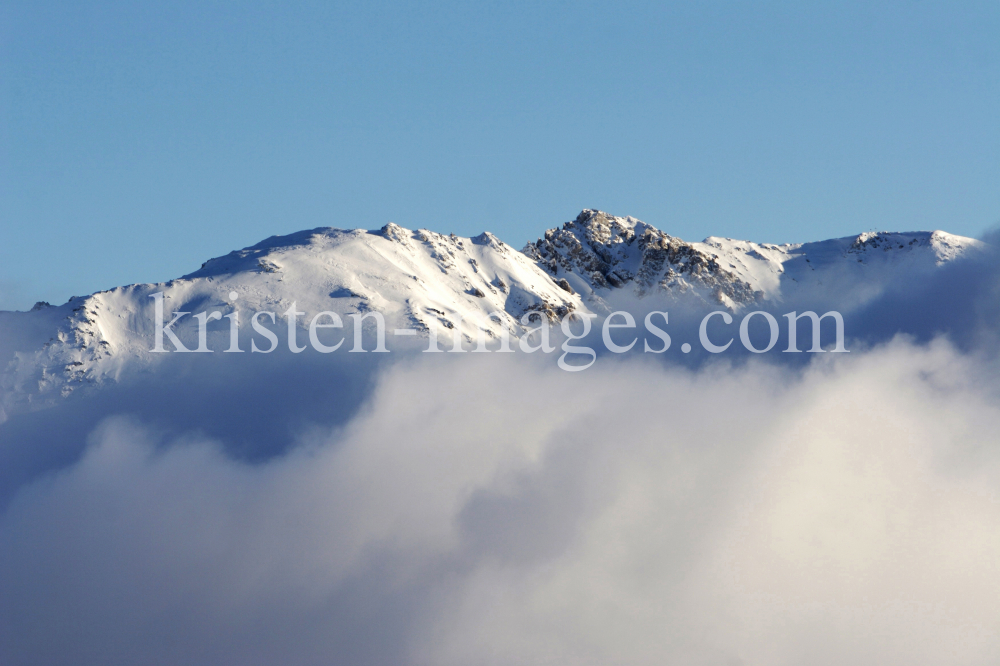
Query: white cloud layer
{"points": [[499, 511]]}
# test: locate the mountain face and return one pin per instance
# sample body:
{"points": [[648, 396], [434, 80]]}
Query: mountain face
{"points": [[598, 254], [437, 285]]}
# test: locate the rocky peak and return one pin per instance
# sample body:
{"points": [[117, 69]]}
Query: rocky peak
{"points": [[394, 232], [598, 251]]}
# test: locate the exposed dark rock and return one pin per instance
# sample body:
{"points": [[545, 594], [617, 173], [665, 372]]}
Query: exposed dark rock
{"points": [[613, 252]]}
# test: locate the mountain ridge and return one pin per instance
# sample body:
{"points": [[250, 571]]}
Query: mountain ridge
{"points": [[442, 285]]}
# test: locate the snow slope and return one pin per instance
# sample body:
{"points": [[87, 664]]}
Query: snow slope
{"points": [[598, 253], [419, 280], [434, 284]]}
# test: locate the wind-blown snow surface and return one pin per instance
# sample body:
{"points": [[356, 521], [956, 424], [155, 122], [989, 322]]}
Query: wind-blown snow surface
{"points": [[492, 509]]}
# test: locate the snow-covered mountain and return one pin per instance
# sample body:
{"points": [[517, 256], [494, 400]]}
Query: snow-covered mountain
{"points": [[435, 284], [599, 253]]}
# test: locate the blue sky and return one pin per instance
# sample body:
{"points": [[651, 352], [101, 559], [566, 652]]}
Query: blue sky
{"points": [[138, 139]]}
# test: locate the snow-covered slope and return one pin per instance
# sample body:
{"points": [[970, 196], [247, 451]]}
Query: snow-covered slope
{"points": [[418, 280], [435, 285], [598, 254], [774, 270]]}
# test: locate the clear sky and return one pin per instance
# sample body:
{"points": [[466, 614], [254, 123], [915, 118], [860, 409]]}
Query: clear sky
{"points": [[139, 139]]}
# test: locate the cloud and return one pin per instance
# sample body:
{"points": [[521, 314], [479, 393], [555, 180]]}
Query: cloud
{"points": [[495, 510]]}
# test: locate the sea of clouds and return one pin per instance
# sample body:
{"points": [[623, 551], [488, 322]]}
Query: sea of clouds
{"points": [[492, 509]]}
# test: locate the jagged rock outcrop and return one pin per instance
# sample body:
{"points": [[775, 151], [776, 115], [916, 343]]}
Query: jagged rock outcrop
{"points": [[605, 252]]}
